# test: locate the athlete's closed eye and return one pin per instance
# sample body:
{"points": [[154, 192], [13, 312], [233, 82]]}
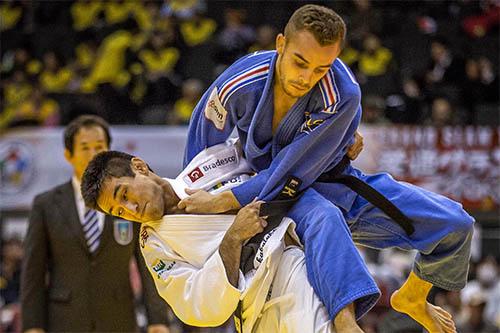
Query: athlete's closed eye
{"points": [[301, 64]]}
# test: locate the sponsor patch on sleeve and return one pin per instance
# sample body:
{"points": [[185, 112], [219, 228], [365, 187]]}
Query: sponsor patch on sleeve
{"points": [[214, 111]]}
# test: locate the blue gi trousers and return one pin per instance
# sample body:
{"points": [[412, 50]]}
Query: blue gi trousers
{"points": [[335, 268], [443, 233]]}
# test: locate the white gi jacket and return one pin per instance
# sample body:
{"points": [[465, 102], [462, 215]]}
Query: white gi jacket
{"points": [[182, 251]]}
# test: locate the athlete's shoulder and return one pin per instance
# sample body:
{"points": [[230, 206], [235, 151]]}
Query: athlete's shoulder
{"points": [[249, 71], [345, 78], [337, 87]]}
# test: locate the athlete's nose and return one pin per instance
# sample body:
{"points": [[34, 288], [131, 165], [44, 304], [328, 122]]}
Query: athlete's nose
{"points": [[132, 207]]}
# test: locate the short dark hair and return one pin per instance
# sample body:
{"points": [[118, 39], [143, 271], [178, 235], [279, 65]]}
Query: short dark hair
{"points": [[324, 23], [104, 165], [84, 121]]}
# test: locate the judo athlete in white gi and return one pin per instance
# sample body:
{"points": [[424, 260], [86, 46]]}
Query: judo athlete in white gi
{"points": [[194, 259], [296, 110]]}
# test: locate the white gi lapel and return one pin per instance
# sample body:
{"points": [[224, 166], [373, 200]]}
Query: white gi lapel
{"points": [[193, 237]]}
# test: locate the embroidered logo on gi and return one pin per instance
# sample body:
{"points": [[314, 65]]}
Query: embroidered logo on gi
{"points": [[310, 124], [290, 189], [160, 267], [214, 111], [122, 231], [219, 162], [195, 174], [259, 256], [143, 237], [239, 179]]}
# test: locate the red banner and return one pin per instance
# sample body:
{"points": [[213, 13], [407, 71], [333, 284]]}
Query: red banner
{"points": [[459, 162]]}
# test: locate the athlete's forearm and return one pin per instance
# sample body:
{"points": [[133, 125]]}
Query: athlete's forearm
{"points": [[230, 252]]}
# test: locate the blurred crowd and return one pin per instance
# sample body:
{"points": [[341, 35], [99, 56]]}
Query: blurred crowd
{"points": [[148, 62]]}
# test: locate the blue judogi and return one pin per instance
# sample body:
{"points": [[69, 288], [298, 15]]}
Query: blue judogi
{"points": [[310, 140]]}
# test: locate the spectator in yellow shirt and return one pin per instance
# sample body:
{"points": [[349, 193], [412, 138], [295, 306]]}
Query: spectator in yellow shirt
{"points": [[198, 29], [16, 89], [375, 59], [10, 15], [158, 57], [85, 13], [36, 110], [118, 11], [111, 60], [54, 78], [192, 89]]}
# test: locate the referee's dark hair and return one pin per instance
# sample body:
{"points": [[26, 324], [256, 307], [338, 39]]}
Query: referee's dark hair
{"points": [[84, 121]]}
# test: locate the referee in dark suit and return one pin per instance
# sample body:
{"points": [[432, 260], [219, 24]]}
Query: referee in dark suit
{"points": [[75, 274]]}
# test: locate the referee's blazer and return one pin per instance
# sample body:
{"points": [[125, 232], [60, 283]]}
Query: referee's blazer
{"points": [[66, 288]]}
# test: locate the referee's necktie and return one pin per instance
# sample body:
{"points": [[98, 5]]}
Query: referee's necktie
{"points": [[91, 229]]}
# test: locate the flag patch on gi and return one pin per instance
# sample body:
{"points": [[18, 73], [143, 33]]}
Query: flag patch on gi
{"points": [[329, 92], [122, 231], [250, 75]]}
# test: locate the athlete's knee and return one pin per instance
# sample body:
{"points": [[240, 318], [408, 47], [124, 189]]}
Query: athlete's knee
{"points": [[462, 222]]}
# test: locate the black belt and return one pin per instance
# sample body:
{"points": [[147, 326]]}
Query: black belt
{"points": [[275, 211], [368, 193]]}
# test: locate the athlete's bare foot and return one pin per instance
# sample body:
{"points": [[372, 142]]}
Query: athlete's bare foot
{"points": [[345, 321], [411, 299]]}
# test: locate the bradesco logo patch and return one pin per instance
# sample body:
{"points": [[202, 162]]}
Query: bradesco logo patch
{"points": [[195, 174], [219, 163]]}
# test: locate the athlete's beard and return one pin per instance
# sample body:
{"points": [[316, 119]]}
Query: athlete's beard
{"points": [[282, 79], [283, 83]]}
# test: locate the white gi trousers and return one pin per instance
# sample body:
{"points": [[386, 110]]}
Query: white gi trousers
{"points": [[293, 306]]}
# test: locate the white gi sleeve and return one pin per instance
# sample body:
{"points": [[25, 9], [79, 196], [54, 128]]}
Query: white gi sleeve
{"points": [[198, 296]]}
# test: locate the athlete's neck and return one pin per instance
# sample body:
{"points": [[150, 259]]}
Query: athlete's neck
{"points": [[282, 102], [170, 199]]}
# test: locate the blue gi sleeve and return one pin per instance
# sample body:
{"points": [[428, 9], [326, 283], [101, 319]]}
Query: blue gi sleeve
{"points": [[307, 157], [210, 123]]}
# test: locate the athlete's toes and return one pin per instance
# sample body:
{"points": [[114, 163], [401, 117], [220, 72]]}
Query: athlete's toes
{"points": [[443, 312]]}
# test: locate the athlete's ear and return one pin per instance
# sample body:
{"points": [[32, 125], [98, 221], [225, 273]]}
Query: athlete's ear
{"points": [[280, 43], [139, 166]]}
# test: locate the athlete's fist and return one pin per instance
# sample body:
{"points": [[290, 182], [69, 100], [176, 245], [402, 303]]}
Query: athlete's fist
{"points": [[356, 148], [247, 223]]}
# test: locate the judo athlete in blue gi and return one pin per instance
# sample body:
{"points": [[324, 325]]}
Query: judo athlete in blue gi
{"points": [[296, 110]]}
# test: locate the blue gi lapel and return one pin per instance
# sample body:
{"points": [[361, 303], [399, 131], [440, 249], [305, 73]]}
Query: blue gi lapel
{"points": [[260, 133]]}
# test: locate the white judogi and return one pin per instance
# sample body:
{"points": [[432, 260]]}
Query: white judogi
{"points": [[181, 253]]}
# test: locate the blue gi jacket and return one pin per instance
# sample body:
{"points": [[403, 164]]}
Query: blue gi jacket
{"points": [[311, 139]]}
